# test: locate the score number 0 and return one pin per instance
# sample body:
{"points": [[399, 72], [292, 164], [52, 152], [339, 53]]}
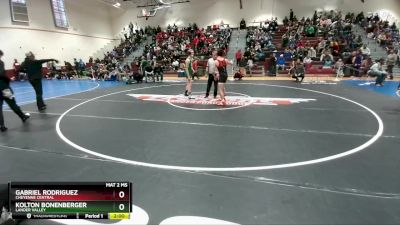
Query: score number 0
{"points": [[121, 194]]}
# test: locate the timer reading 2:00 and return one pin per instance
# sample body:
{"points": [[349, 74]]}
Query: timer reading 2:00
{"points": [[119, 216]]}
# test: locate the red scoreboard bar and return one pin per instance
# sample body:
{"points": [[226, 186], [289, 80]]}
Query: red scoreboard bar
{"points": [[70, 200]]}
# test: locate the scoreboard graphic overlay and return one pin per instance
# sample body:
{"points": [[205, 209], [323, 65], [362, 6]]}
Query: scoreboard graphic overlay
{"points": [[80, 200]]}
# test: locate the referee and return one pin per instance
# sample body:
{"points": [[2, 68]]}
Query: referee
{"points": [[7, 95], [33, 68], [211, 69]]}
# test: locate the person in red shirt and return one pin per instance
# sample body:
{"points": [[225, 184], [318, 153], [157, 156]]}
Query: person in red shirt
{"points": [[335, 48], [238, 56], [203, 38], [196, 43]]}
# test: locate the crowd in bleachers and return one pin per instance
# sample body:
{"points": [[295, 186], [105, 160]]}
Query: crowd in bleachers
{"points": [[166, 53], [169, 49], [324, 43], [110, 67], [318, 41], [386, 35]]}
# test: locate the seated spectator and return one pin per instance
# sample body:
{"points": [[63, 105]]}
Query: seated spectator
{"points": [[366, 64], [326, 55], [321, 46], [307, 62], [365, 51], [281, 62], [312, 53], [175, 65], [398, 57], [382, 39], [288, 55], [112, 76], [371, 35], [327, 61], [261, 56], [335, 48], [270, 46], [310, 31]]}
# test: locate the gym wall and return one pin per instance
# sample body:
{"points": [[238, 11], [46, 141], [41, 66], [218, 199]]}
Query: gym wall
{"points": [[90, 29]]}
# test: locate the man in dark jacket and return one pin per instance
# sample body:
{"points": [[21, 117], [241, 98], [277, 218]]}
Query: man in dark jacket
{"points": [[33, 68], [7, 95]]}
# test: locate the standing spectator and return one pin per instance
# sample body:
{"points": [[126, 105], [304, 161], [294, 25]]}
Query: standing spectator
{"points": [[357, 61], [391, 62], [272, 65], [250, 65], [339, 66], [291, 18], [76, 65], [238, 56], [33, 68]]}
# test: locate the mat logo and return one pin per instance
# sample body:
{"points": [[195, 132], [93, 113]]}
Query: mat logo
{"points": [[230, 100]]}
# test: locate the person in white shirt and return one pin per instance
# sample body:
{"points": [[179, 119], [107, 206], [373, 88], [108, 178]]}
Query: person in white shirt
{"points": [[312, 52], [339, 66], [211, 70], [365, 51], [175, 64], [250, 65], [377, 71]]}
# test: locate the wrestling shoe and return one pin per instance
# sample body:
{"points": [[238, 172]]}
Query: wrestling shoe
{"points": [[25, 117]]}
